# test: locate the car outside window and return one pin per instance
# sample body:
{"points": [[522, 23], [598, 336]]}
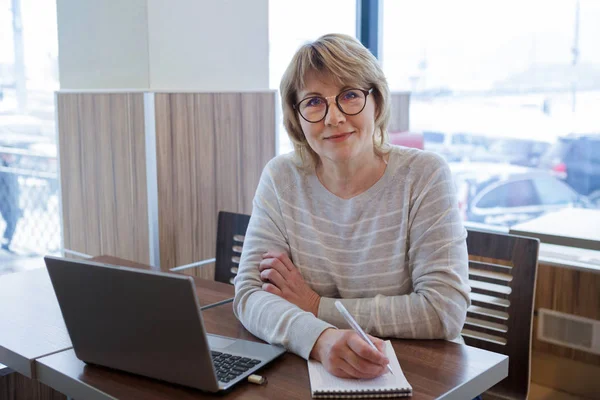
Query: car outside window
{"points": [[595, 152], [556, 153], [553, 192], [495, 198], [512, 194], [460, 138], [433, 137]]}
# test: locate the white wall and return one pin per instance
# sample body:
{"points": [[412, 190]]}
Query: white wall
{"points": [[203, 45], [102, 44], [209, 44]]}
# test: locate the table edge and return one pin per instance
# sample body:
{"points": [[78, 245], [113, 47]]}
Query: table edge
{"points": [[17, 362], [71, 387], [479, 384], [560, 240]]}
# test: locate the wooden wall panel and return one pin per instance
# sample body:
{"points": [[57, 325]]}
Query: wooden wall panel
{"points": [[575, 292], [103, 174], [258, 114], [15, 386], [211, 149], [571, 291], [228, 162], [205, 202], [399, 121]]}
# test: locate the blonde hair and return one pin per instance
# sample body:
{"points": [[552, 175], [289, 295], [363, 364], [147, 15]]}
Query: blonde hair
{"points": [[346, 61]]}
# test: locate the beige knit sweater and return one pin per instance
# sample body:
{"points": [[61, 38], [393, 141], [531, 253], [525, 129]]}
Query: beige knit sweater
{"points": [[396, 254]]}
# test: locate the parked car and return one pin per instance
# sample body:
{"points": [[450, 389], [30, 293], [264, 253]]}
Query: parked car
{"points": [[515, 151], [504, 194], [576, 160], [455, 146]]}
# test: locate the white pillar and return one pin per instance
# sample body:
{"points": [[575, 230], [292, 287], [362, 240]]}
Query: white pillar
{"points": [[201, 45]]}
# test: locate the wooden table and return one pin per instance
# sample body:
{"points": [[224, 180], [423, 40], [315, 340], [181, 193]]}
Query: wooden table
{"points": [[572, 227], [31, 324], [34, 341], [436, 369]]}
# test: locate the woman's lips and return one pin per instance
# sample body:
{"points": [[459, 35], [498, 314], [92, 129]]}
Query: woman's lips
{"points": [[339, 137]]}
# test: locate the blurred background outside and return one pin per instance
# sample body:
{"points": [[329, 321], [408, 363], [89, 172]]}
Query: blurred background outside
{"points": [[29, 200], [507, 92]]}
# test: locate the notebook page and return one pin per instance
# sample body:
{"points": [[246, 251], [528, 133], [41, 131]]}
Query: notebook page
{"points": [[322, 381]]}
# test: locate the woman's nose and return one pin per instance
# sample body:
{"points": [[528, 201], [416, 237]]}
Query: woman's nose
{"points": [[334, 116]]}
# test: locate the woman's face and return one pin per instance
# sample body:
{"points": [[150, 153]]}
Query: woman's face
{"points": [[338, 138]]}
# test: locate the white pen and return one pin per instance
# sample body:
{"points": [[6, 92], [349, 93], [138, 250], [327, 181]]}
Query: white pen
{"points": [[356, 327]]}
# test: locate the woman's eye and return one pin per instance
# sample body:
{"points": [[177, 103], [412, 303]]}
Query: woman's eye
{"points": [[314, 102], [350, 95]]}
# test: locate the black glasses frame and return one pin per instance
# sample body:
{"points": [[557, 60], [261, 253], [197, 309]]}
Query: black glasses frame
{"points": [[365, 92]]}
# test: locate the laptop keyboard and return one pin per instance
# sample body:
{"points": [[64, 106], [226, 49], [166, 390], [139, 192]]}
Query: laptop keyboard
{"points": [[229, 367]]}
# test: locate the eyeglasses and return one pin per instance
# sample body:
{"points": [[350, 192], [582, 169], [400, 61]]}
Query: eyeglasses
{"points": [[350, 102]]}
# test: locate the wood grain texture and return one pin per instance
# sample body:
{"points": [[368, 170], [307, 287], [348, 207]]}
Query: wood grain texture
{"points": [[433, 367], [511, 282], [211, 149], [103, 173], [566, 375], [570, 291], [15, 386], [399, 121]]}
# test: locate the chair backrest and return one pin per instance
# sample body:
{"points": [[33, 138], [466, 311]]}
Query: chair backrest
{"points": [[231, 230], [502, 273]]}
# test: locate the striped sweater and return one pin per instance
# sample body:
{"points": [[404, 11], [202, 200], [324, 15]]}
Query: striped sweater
{"points": [[395, 254]]}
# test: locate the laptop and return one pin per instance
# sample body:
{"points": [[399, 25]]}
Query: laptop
{"points": [[148, 323]]}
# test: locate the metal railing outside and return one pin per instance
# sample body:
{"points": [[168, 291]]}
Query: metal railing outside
{"points": [[29, 202]]}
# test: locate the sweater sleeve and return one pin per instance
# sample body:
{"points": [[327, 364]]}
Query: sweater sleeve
{"points": [[266, 315], [438, 264]]}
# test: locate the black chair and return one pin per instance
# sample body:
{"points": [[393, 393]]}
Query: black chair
{"points": [[231, 229], [502, 273]]}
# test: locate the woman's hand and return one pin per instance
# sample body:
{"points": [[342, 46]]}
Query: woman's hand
{"points": [[282, 278], [345, 354]]}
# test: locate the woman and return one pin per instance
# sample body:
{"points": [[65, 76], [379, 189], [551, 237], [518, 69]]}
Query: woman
{"points": [[347, 216]]}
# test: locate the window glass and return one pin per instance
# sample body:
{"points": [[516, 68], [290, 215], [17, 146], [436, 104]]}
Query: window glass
{"points": [[512, 194], [595, 153], [522, 194], [433, 137], [514, 100], [460, 138], [30, 224], [291, 24], [551, 192], [495, 198]]}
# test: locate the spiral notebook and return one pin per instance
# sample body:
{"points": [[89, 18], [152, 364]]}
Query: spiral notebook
{"points": [[323, 385]]}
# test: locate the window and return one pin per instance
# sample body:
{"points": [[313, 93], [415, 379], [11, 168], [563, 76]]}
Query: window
{"points": [[595, 153], [512, 194], [513, 102], [494, 198], [460, 138], [30, 220], [291, 24], [551, 192], [433, 137]]}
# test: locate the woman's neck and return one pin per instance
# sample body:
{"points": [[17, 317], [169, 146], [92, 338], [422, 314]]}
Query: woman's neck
{"points": [[351, 178]]}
